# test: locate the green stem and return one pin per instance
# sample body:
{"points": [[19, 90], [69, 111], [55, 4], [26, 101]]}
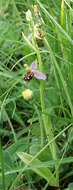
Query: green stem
{"points": [[62, 13], [2, 164], [12, 129], [46, 119], [41, 124]]}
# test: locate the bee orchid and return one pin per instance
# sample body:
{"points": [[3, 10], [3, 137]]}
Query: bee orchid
{"points": [[33, 72]]}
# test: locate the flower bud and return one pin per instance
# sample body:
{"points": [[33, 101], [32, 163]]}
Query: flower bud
{"points": [[28, 15], [26, 67], [27, 94]]}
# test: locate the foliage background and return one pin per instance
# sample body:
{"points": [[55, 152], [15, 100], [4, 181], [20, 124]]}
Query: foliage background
{"points": [[21, 120]]}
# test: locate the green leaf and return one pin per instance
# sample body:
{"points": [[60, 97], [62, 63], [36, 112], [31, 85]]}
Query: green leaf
{"points": [[44, 173]]}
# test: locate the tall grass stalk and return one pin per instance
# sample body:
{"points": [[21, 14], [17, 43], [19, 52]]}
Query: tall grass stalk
{"points": [[2, 165], [62, 13], [53, 59], [59, 27], [12, 129]]}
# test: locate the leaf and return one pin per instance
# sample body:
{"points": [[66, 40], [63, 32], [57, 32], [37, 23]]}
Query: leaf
{"points": [[70, 187], [44, 173]]}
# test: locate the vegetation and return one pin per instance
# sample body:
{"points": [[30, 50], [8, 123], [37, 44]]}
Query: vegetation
{"points": [[36, 95]]}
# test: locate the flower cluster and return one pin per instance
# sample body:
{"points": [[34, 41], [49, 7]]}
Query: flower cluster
{"points": [[36, 20]]}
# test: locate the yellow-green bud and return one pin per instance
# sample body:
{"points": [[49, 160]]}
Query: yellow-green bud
{"points": [[27, 94]]}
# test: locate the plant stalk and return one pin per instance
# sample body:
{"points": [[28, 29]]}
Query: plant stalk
{"points": [[62, 13], [2, 165], [46, 119]]}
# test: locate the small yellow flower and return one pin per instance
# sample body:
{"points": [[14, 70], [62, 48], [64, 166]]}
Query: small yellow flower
{"points": [[27, 94], [28, 15]]}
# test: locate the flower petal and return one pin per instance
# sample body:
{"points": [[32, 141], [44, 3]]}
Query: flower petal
{"points": [[39, 75], [33, 65]]}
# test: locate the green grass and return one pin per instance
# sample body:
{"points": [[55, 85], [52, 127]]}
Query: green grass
{"points": [[36, 135]]}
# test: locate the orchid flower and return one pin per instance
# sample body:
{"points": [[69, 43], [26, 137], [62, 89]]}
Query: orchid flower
{"points": [[33, 72]]}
